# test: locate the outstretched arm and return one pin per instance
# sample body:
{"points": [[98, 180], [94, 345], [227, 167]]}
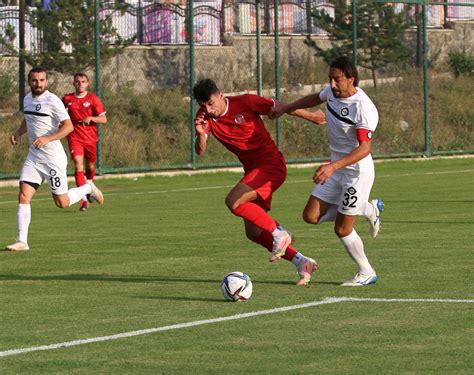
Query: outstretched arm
{"points": [[305, 102], [318, 117]]}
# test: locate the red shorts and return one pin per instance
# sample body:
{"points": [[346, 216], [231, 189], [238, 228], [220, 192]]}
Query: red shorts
{"points": [[265, 179], [89, 151]]}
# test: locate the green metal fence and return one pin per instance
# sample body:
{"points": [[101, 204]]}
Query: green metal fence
{"points": [[147, 90]]}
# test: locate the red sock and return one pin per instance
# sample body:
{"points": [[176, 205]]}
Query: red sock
{"points": [[266, 240], [80, 179], [256, 215], [90, 173]]}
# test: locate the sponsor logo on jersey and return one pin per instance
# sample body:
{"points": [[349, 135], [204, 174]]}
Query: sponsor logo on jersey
{"points": [[38, 107], [86, 104], [351, 190], [239, 119], [344, 111]]}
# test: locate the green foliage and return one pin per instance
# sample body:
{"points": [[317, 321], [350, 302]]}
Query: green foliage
{"points": [[379, 34], [461, 63], [68, 42], [8, 89]]}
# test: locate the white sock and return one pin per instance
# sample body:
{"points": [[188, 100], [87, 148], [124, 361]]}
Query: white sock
{"points": [[330, 214], [355, 248], [297, 259], [23, 221], [369, 210], [76, 194]]}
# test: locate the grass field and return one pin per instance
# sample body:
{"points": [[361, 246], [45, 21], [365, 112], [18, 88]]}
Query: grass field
{"points": [[155, 253]]}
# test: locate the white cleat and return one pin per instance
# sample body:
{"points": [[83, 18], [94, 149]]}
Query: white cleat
{"points": [[374, 220], [96, 195], [280, 242], [306, 268], [361, 280], [18, 246]]}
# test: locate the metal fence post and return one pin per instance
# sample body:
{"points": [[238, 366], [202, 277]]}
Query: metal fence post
{"points": [[21, 61], [192, 79], [277, 67], [354, 32], [427, 151], [97, 79], [259, 49]]}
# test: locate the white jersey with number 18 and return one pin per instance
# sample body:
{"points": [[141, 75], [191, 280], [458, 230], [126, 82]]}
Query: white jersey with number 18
{"points": [[43, 114]]}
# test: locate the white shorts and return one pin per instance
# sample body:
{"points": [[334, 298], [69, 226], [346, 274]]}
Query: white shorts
{"points": [[348, 189], [54, 174]]}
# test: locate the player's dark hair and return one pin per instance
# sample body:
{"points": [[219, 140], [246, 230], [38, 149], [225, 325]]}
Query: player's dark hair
{"points": [[203, 90], [37, 69], [79, 74], [345, 64]]}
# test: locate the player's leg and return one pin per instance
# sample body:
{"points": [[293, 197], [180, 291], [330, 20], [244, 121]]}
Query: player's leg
{"points": [[355, 193], [90, 153], [305, 266], [318, 211], [241, 202], [372, 212], [30, 180], [26, 193], [77, 153], [63, 197]]}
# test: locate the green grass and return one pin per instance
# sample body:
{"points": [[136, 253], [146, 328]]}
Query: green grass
{"points": [[155, 253]]}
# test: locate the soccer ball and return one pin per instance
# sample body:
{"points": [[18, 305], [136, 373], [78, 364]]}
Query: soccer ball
{"points": [[236, 286]]}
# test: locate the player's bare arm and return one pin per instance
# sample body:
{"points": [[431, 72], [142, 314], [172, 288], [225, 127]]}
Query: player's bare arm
{"points": [[22, 129], [102, 119], [317, 117], [305, 102], [200, 125], [65, 127], [325, 171]]}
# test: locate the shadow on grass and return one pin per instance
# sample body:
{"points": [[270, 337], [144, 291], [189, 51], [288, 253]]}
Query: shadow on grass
{"points": [[141, 279]]}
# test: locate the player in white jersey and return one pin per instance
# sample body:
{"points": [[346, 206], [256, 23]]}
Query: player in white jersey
{"points": [[343, 185], [46, 122]]}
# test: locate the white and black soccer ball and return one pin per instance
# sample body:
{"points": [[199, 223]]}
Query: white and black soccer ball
{"points": [[237, 286]]}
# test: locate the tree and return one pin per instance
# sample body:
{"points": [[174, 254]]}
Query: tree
{"points": [[380, 34], [67, 43]]}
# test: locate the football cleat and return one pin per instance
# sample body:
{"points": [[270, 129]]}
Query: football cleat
{"points": [[18, 246], [280, 242], [96, 194], [306, 268], [374, 220], [361, 280], [84, 205]]}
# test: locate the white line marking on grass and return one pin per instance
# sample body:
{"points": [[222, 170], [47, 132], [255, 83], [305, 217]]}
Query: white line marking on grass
{"points": [[230, 186], [325, 301]]}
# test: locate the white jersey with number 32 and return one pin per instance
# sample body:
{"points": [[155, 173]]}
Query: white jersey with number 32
{"points": [[344, 116]]}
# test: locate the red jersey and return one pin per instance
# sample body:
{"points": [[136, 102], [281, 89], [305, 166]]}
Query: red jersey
{"points": [[80, 108], [242, 131]]}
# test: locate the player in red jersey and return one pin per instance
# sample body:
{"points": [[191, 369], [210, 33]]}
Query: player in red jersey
{"points": [[235, 121], [86, 111]]}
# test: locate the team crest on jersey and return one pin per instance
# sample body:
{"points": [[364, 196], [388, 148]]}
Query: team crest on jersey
{"points": [[344, 111], [52, 172], [370, 135], [351, 190], [38, 107], [86, 104], [239, 119]]}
